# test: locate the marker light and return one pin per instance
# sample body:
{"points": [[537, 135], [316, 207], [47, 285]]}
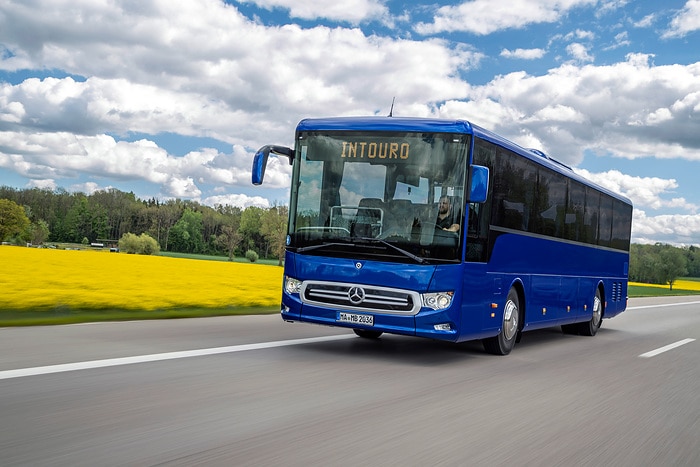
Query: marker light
{"points": [[437, 300], [291, 285]]}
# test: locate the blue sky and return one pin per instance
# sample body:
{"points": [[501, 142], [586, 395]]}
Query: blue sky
{"points": [[169, 99]]}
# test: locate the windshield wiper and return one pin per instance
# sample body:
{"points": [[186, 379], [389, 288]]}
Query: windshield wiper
{"points": [[408, 254], [323, 245], [364, 241]]}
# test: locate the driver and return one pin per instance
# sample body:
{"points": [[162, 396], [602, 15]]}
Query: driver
{"points": [[445, 219]]}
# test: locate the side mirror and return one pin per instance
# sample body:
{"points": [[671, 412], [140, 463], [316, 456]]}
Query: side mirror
{"points": [[479, 176], [260, 160]]}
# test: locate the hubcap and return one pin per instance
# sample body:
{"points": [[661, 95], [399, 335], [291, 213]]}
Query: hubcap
{"points": [[510, 320], [597, 311]]}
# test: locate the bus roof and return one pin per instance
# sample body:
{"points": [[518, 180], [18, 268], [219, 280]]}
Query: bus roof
{"points": [[435, 125]]}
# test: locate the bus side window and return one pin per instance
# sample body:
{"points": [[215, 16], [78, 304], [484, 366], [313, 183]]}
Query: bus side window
{"points": [[480, 213]]}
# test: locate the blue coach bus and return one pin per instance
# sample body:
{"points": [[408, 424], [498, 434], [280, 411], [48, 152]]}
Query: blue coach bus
{"points": [[441, 229]]}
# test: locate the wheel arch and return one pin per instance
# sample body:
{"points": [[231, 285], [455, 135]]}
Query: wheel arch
{"points": [[601, 288], [519, 287]]}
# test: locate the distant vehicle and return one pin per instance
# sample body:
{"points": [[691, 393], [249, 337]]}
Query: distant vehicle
{"points": [[530, 244]]}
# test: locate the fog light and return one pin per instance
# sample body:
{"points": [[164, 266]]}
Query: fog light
{"points": [[443, 327]]}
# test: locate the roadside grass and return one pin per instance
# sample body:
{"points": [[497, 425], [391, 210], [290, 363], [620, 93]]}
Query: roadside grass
{"points": [[54, 286], [237, 259], [683, 286], [61, 315]]}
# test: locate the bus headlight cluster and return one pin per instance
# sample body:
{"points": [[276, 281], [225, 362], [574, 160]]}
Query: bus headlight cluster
{"points": [[438, 300], [291, 285]]}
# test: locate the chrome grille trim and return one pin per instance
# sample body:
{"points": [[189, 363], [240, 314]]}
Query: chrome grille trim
{"points": [[382, 300]]}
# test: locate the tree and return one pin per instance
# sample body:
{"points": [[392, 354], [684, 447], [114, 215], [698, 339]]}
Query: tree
{"points": [[38, 232], [274, 228], [249, 229], [692, 254], [167, 215], [13, 219], [229, 240], [672, 265], [657, 264], [186, 234]]}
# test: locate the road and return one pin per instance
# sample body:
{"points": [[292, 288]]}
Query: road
{"points": [[261, 392]]}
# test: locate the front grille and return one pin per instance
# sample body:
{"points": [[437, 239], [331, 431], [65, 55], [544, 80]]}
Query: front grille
{"points": [[360, 297]]}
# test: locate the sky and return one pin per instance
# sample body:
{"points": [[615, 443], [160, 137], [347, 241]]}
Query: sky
{"points": [[171, 98]]}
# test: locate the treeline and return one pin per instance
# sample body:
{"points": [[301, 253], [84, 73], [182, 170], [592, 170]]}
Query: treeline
{"points": [[663, 264], [177, 225]]}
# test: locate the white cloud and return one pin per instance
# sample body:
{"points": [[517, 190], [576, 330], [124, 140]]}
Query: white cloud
{"points": [[686, 21], [607, 6], [87, 188], [46, 184], [645, 192], [351, 11], [241, 201], [645, 22], [580, 34], [621, 40], [677, 229], [579, 52], [630, 109], [486, 16], [523, 54]]}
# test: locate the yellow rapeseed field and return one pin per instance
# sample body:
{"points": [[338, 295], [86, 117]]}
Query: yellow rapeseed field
{"points": [[40, 279], [677, 285]]}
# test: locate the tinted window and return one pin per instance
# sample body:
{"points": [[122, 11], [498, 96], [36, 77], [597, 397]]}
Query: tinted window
{"points": [[573, 220], [606, 218], [548, 216], [513, 190], [589, 230], [622, 221]]}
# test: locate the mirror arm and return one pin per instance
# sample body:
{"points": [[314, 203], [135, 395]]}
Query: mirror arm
{"points": [[260, 160]]}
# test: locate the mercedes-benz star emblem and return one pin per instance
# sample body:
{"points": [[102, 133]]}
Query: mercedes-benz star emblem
{"points": [[356, 295]]}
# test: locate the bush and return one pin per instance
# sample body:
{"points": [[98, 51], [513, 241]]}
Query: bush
{"points": [[150, 245], [144, 244], [251, 255]]}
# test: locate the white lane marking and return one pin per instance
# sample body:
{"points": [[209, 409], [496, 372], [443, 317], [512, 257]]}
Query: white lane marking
{"points": [[661, 306], [666, 348], [45, 370]]}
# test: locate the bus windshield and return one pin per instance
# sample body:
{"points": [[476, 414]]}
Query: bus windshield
{"points": [[389, 196]]}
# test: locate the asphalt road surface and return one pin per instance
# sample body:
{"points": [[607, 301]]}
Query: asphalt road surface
{"points": [[257, 391]]}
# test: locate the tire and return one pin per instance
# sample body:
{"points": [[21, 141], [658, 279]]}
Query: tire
{"points": [[590, 327], [367, 334], [504, 342]]}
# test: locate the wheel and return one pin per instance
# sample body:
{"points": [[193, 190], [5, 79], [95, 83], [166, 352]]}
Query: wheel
{"points": [[503, 343], [590, 327], [367, 334]]}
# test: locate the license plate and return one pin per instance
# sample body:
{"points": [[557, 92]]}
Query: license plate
{"points": [[365, 320]]}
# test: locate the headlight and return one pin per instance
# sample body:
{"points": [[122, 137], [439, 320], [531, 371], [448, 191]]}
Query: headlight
{"points": [[437, 300], [291, 285]]}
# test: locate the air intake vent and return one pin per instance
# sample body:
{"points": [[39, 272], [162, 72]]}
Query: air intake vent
{"points": [[616, 295]]}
